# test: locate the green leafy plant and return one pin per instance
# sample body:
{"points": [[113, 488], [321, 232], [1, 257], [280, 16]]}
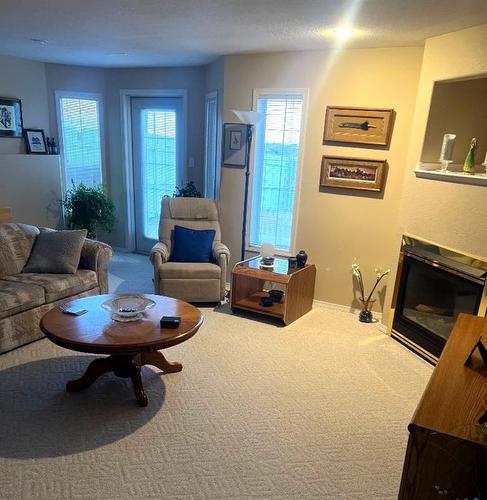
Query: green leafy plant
{"points": [[188, 191], [89, 208]]}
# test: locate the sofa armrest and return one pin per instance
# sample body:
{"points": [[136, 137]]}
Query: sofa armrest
{"points": [[96, 256], [159, 254]]}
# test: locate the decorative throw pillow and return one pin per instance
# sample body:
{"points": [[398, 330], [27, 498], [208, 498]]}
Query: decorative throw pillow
{"points": [[191, 245], [56, 252]]}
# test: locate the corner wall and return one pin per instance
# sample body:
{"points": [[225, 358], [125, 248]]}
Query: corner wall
{"points": [[453, 215], [336, 226], [26, 80]]}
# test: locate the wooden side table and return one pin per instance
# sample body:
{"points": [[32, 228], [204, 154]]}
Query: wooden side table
{"points": [[248, 287]]}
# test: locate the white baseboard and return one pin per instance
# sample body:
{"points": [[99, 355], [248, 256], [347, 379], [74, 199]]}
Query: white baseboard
{"points": [[348, 309]]}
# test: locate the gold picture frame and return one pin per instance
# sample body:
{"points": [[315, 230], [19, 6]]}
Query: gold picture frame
{"points": [[364, 126], [353, 173]]}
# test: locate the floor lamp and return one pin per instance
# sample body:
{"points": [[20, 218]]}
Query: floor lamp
{"points": [[251, 119]]}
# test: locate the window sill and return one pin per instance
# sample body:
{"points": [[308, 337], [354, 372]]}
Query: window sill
{"points": [[278, 253]]}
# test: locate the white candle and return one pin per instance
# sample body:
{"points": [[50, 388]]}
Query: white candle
{"points": [[447, 147], [485, 161]]}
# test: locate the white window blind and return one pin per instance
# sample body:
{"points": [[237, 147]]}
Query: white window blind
{"points": [[159, 166], [81, 145], [277, 146]]}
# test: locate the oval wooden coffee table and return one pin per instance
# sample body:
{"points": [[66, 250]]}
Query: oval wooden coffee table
{"points": [[129, 345]]}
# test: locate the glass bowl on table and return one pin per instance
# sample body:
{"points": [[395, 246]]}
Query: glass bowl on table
{"points": [[129, 307]]}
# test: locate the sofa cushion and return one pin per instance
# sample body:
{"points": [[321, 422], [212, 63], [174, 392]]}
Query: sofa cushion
{"points": [[17, 297], [56, 252], [189, 270], [16, 242], [58, 286]]}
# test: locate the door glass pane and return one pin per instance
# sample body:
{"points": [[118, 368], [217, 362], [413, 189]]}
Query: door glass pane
{"points": [[158, 164]]}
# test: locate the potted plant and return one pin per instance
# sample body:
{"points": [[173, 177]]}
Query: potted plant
{"points": [[188, 191], [89, 208], [367, 301]]}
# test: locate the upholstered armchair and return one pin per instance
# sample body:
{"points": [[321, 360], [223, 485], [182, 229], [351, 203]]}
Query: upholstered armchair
{"points": [[189, 281]]}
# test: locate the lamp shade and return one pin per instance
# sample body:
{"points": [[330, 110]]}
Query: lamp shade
{"points": [[248, 117]]}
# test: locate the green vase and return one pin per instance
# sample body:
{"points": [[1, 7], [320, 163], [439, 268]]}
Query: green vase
{"points": [[469, 164]]}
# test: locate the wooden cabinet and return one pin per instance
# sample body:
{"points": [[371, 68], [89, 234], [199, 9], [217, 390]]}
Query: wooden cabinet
{"points": [[446, 455], [249, 282]]}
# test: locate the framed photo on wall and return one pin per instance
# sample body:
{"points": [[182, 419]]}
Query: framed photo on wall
{"points": [[364, 126], [10, 117], [35, 141], [353, 173], [235, 145]]}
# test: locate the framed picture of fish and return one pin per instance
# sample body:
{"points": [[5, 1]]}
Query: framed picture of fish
{"points": [[361, 126], [353, 173]]}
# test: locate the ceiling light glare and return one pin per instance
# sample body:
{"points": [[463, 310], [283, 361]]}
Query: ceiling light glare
{"points": [[343, 32]]}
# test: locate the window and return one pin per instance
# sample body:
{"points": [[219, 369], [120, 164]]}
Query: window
{"points": [[211, 140], [80, 138], [276, 169]]}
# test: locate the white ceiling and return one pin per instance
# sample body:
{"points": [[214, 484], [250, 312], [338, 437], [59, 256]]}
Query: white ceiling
{"points": [[115, 33]]}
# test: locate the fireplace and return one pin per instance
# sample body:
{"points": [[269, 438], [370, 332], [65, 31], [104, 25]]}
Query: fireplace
{"points": [[433, 286]]}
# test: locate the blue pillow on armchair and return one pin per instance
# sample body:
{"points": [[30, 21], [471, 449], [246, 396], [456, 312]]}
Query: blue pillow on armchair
{"points": [[191, 245]]}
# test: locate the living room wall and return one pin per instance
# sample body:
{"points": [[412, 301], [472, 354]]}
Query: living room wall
{"points": [[26, 80], [335, 227], [450, 214]]}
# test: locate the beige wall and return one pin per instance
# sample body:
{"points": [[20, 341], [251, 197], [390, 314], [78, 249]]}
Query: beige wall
{"points": [[334, 227], [457, 107], [26, 80], [31, 186], [447, 213]]}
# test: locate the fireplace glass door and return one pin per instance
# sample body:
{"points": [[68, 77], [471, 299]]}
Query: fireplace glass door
{"points": [[429, 301]]}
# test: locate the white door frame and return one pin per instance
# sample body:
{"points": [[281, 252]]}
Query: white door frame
{"points": [[127, 158]]}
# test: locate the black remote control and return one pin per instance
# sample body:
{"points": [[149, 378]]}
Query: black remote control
{"points": [[170, 321]]}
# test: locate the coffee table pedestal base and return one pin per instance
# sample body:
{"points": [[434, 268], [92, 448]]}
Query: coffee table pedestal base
{"points": [[125, 366]]}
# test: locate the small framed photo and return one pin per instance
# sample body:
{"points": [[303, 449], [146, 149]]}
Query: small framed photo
{"points": [[235, 145], [10, 117], [353, 173], [35, 141], [364, 126], [236, 140]]}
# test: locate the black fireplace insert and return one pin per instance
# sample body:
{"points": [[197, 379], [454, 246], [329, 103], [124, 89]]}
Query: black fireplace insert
{"points": [[431, 291]]}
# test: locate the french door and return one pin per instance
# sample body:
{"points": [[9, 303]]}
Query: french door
{"points": [[157, 146]]}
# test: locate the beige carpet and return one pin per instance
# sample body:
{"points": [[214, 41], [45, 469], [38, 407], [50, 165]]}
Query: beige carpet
{"points": [[318, 409]]}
